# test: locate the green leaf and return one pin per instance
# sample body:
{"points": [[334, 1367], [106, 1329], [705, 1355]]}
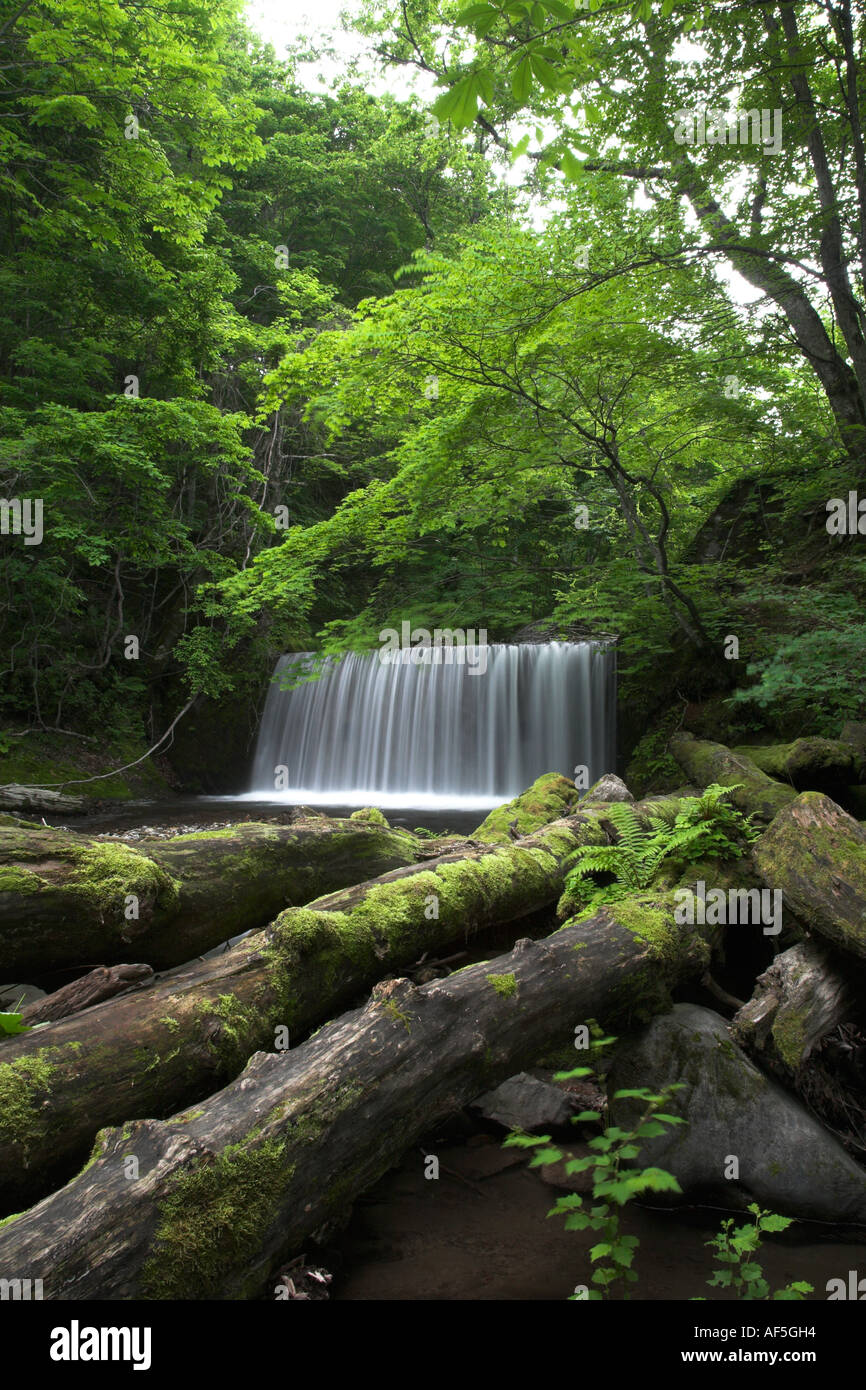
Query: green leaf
{"points": [[546, 74], [11, 1023], [473, 13], [521, 82], [571, 167]]}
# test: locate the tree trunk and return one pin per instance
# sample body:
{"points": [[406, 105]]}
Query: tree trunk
{"points": [[800, 998], [171, 1043], [68, 900], [704, 763], [815, 853], [208, 1204]]}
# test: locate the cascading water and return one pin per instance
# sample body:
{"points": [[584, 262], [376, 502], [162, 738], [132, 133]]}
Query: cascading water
{"points": [[439, 733]]}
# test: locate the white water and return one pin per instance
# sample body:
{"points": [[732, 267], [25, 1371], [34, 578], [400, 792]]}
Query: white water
{"points": [[431, 735]]}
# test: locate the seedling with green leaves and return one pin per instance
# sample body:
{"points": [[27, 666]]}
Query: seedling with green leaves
{"points": [[735, 1248], [614, 1182]]}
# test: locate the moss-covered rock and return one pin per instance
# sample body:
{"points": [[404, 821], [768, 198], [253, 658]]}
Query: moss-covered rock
{"points": [[371, 814], [745, 1139], [550, 797]]}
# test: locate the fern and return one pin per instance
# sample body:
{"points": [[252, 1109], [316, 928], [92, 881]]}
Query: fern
{"points": [[695, 828]]}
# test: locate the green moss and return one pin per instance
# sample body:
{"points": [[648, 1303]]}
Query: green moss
{"points": [[371, 814], [506, 985], [213, 1223], [215, 1220], [14, 1217], [240, 1031], [24, 1085], [648, 923], [14, 880], [790, 1035], [105, 874], [389, 1007], [170, 1023], [548, 799]]}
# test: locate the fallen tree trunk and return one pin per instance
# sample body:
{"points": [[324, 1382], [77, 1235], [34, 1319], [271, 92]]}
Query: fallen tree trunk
{"points": [[67, 900], [102, 983], [815, 853], [705, 763], [798, 1000], [208, 1204], [168, 1044], [809, 764]]}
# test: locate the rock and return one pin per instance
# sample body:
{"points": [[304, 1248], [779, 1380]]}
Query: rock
{"points": [[787, 1161], [854, 732], [609, 788], [15, 998], [816, 854], [524, 1102], [557, 1175], [19, 798]]}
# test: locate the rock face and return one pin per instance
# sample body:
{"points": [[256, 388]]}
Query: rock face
{"points": [[787, 1162], [524, 1102], [816, 854]]}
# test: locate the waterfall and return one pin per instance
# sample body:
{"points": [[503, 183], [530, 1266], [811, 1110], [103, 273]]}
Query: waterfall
{"points": [[440, 732]]}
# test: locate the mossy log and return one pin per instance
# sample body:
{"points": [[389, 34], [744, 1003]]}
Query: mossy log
{"points": [[209, 1203], [69, 900], [705, 763], [172, 1042], [550, 797], [797, 1001], [815, 853], [809, 764]]}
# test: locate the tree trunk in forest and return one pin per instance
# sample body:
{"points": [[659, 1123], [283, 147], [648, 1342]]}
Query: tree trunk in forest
{"points": [[815, 853], [209, 1203], [704, 763], [171, 1043], [797, 1001], [68, 900]]}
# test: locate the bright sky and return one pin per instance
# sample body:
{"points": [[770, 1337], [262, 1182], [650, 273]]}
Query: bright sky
{"points": [[280, 22]]}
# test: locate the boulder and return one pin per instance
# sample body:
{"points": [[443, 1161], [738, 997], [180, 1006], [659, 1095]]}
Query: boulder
{"points": [[609, 788], [738, 1122], [524, 1102]]}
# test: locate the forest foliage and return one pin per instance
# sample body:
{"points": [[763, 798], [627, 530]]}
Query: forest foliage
{"points": [[286, 367]]}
